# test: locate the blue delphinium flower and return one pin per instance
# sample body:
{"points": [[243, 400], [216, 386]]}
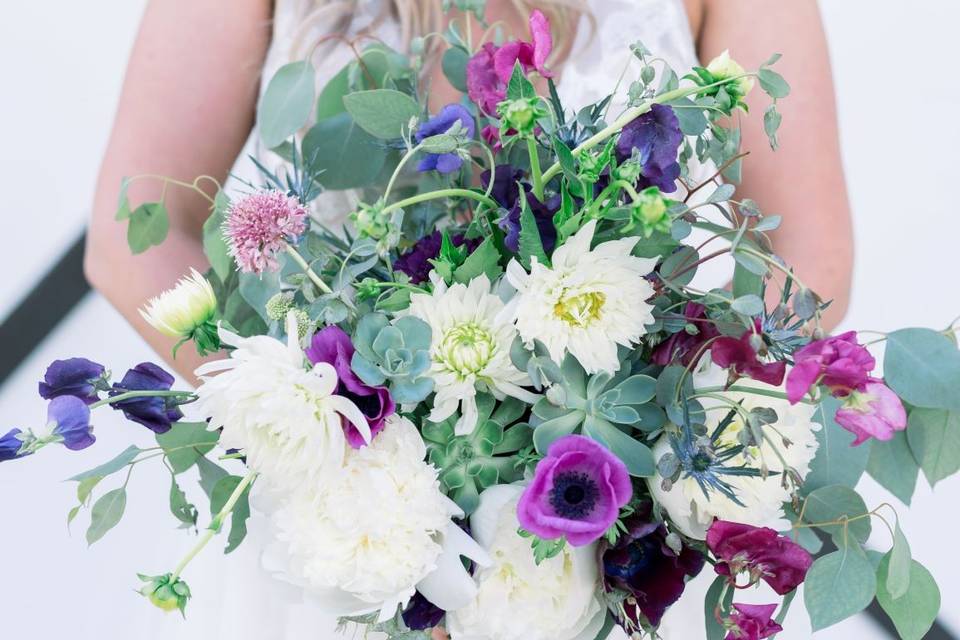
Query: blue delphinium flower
{"points": [[69, 418], [441, 123], [155, 413], [10, 445], [76, 377], [656, 137]]}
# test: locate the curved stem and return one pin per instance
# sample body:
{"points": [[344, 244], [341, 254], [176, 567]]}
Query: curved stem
{"points": [[442, 193], [302, 263], [139, 394], [396, 172]]}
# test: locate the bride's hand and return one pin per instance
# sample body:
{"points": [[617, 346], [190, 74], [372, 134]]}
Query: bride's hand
{"points": [[439, 633]]}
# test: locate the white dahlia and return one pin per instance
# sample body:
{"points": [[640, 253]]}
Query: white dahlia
{"points": [[517, 599], [182, 310], [285, 417], [470, 349], [365, 540], [587, 302], [763, 498]]}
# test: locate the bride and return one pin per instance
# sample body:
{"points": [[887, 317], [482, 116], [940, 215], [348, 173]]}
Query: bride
{"points": [[188, 105]]}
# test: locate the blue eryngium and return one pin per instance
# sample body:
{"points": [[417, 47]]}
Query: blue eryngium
{"points": [[76, 377], [155, 413]]}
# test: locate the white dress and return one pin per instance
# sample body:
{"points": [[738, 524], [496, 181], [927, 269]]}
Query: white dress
{"points": [[234, 598]]}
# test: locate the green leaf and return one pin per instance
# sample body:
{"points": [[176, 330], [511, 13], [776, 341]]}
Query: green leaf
{"points": [[214, 244], [721, 194], [519, 87], [679, 262], [690, 115], [148, 226], [747, 281], [836, 462], [836, 502], [914, 612], [256, 290], [771, 124], [383, 113], [181, 509], [346, 156], [838, 585], [185, 442], [287, 102], [123, 203], [485, 259], [751, 263], [748, 305], [934, 437], [635, 455], [106, 513], [330, 101], [85, 488], [241, 510], [923, 367], [773, 83], [210, 474], [566, 160], [714, 630], [892, 464], [124, 458], [531, 246], [897, 578], [454, 63]]}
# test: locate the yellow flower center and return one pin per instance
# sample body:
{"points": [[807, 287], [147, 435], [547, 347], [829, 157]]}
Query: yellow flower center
{"points": [[580, 310], [466, 348]]}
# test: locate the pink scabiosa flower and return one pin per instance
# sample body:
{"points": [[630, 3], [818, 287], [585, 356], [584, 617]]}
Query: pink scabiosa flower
{"points": [[760, 551], [260, 225], [753, 622], [874, 412], [840, 363]]}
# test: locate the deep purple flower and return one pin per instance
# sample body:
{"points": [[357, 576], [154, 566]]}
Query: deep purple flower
{"points": [[577, 492], [739, 355], [656, 136], [506, 187], [333, 346], [416, 262], [441, 123], [874, 412], [760, 551], [10, 445], [642, 564], [683, 347], [70, 418], [156, 413], [542, 214], [839, 362], [753, 622], [72, 377], [421, 614]]}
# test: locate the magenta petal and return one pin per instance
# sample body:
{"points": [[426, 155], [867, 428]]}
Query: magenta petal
{"points": [[542, 41], [483, 86], [876, 412], [800, 379], [506, 58]]}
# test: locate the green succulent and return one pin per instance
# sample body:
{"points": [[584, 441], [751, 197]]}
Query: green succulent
{"points": [[395, 354], [470, 463], [603, 406]]}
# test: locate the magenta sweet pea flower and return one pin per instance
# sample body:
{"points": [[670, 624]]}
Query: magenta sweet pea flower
{"points": [[333, 346], [577, 492], [762, 552], [682, 346], [738, 355], [874, 412], [839, 362], [753, 622]]}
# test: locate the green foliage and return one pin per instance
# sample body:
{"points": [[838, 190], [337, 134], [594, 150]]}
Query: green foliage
{"points": [[383, 113], [214, 244], [485, 260], [286, 103], [543, 549], [454, 63], [897, 578], [185, 443], [148, 226], [892, 464], [714, 630], [113, 465], [106, 513], [913, 612], [180, 507], [773, 83], [836, 462], [934, 437], [839, 585], [396, 354], [923, 367], [840, 505], [241, 510], [343, 155], [531, 245]]}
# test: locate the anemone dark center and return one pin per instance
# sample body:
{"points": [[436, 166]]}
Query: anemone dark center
{"points": [[574, 495]]}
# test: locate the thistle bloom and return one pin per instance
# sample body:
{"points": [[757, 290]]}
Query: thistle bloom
{"points": [[587, 303], [186, 311], [416, 262], [76, 377], [840, 363], [687, 346], [656, 137], [10, 445], [742, 358], [449, 117], [156, 413], [752, 622], [761, 552], [260, 225], [577, 492], [334, 347], [874, 412]]}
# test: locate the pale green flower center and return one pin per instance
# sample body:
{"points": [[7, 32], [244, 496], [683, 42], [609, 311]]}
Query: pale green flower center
{"points": [[580, 310], [466, 348]]}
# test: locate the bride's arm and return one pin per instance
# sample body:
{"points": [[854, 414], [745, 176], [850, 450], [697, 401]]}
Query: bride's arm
{"points": [[186, 109], [804, 180]]}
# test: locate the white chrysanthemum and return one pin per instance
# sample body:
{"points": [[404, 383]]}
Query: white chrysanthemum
{"points": [[366, 539], [470, 348], [286, 418], [518, 599], [692, 511], [587, 302], [180, 311]]}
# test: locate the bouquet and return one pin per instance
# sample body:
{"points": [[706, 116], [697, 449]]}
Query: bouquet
{"points": [[495, 401]]}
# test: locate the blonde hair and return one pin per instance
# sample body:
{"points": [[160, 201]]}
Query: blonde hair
{"points": [[322, 20]]}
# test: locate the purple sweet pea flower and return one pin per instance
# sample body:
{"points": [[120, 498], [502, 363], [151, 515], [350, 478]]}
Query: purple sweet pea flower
{"points": [[542, 214], [71, 377], [70, 418], [874, 412], [155, 413], [10, 445], [642, 564], [656, 136], [577, 492], [738, 355], [753, 622], [839, 362], [441, 123], [682, 346], [333, 346], [416, 262], [506, 189], [761, 552], [421, 614]]}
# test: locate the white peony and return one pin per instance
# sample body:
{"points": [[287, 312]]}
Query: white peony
{"points": [[587, 302], [692, 511], [286, 418], [363, 541], [180, 311], [518, 599], [470, 349]]}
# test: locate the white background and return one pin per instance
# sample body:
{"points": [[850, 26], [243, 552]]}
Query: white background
{"points": [[61, 65]]}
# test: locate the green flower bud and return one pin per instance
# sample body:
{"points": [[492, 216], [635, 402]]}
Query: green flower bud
{"points": [[521, 115], [165, 592], [278, 306], [649, 212], [723, 67]]}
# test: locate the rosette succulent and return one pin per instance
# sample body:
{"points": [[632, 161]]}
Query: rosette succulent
{"points": [[396, 355]]}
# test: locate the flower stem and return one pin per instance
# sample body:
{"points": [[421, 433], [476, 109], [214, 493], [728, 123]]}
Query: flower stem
{"points": [[535, 174], [396, 172], [770, 393], [139, 394], [215, 524], [302, 263], [442, 193]]}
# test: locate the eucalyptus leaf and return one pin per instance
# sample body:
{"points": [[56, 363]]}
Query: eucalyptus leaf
{"points": [[892, 464], [214, 244], [383, 113], [748, 305], [773, 83], [106, 513], [837, 462], [690, 115], [148, 226], [721, 194], [934, 437], [286, 103], [897, 578], [923, 367], [677, 268], [838, 585], [836, 503], [454, 64], [346, 156], [915, 611], [119, 462], [185, 442], [714, 630]]}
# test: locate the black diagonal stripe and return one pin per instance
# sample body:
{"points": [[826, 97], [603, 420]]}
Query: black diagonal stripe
{"points": [[41, 311]]}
